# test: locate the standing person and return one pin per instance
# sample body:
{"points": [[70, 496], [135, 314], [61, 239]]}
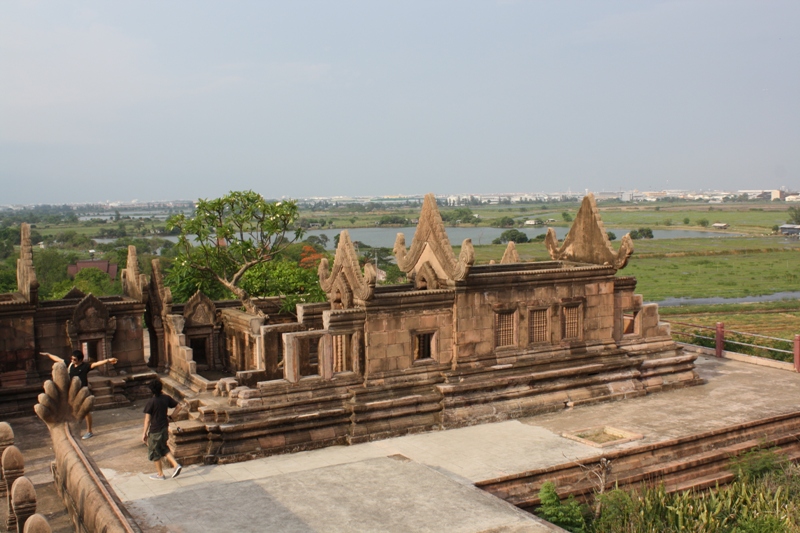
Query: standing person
{"points": [[80, 368], [156, 423]]}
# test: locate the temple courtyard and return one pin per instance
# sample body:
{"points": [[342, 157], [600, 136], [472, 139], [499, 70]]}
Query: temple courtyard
{"points": [[422, 482]]}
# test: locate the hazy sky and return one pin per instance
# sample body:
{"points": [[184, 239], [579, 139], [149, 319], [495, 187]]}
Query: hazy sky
{"points": [[166, 100]]}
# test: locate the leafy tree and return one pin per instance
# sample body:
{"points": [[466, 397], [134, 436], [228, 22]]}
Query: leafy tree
{"points": [[686, 220], [794, 215], [642, 233], [51, 269], [702, 222], [513, 235], [611, 236], [504, 222], [287, 279], [89, 280], [228, 236], [8, 274], [566, 216]]}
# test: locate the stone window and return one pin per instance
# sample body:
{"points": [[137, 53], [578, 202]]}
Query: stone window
{"points": [[538, 325], [424, 346], [504, 329], [572, 322], [309, 357]]}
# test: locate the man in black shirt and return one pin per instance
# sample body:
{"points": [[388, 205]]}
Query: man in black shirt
{"points": [[80, 368], [156, 423]]}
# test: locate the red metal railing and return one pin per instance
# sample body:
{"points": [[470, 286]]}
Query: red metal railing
{"points": [[717, 339]]}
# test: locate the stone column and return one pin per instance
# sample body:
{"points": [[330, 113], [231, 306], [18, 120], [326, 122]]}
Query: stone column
{"points": [[23, 501], [6, 440], [13, 469]]}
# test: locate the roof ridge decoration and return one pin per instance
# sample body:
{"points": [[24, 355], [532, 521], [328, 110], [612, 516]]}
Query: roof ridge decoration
{"points": [[511, 255], [74, 293], [133, 282], [27, 284], [431, 245], [163, 302], [587, 240], [345, 283]]}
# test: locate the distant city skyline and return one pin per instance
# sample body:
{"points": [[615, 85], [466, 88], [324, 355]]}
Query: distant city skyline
{"points": [[150, 100]]}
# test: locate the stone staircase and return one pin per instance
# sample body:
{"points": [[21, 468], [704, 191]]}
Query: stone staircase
{"points": [[695, 462], [108, 392]]}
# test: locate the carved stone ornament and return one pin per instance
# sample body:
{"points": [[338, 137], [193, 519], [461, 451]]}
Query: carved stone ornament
{"points": [[27, 284], [37, 524], [13, 466], [345, 282], [91, 316], [511, 255], [160, 296], [6, 440], [199, 311], [63, 400], [431, 245], [23, 501], [587, 240], [134, 284]]}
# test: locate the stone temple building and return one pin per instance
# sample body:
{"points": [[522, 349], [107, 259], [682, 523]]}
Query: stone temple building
{"points": [[459, 344]]}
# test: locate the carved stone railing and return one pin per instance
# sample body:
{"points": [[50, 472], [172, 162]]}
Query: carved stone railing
{"points": [[18, 490], [91, 502]]}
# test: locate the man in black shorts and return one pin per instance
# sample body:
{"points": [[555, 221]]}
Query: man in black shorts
{"points": [[80, 368], [156, 423]]}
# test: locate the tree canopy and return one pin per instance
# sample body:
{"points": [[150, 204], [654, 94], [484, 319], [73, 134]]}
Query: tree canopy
{"points": [[228, 236]]}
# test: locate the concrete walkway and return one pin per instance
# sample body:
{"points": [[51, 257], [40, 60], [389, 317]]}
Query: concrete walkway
{"points": [[415, 483]]}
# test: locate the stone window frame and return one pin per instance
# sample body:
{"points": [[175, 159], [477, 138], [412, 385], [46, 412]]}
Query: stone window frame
{"points": [[433, 346], [570, 304], [507, 313], [548, 324]]}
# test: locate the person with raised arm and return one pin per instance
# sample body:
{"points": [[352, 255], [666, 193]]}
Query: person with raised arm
{"points": [[80, 369]]}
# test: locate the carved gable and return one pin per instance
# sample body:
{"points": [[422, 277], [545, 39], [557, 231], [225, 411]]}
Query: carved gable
{"points": [[90, 316], [199, 311], [345, 283], [74, 294], [587, 241], [431, 247]]}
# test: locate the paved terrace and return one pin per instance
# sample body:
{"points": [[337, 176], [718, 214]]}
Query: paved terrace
{"points": [[414, 483]]}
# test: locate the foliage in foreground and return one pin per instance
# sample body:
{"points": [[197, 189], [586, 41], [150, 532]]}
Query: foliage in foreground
{"points": [[764, 499]]}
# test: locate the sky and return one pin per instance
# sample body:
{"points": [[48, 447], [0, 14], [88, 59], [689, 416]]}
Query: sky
{"points": [[116, 101]]}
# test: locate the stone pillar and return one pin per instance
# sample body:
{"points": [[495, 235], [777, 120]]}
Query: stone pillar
{"points": [[23, 501], [13, 469], [326, 357], [6, 440], [797, 353], [719, 339]]}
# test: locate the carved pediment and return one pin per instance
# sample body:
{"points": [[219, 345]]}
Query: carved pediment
{"points": [[74, 294], [91, 317], [587, 240], [511, 255], [431, 245], [345, 282], [199, 311]]}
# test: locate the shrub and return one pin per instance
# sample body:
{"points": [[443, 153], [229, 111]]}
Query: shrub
{"points": [[568, 515]]}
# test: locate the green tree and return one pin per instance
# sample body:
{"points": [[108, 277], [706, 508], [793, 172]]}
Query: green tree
{"points": [[568, 515], [702, 222], [228, 236], [51, 269], [794, 215], [513, 235], [611, 236], [89, 280], [566, 216], [686, 221]]}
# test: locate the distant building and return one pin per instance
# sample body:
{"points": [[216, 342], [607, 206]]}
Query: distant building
{"points": [[790, 229], [720, 225]]}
